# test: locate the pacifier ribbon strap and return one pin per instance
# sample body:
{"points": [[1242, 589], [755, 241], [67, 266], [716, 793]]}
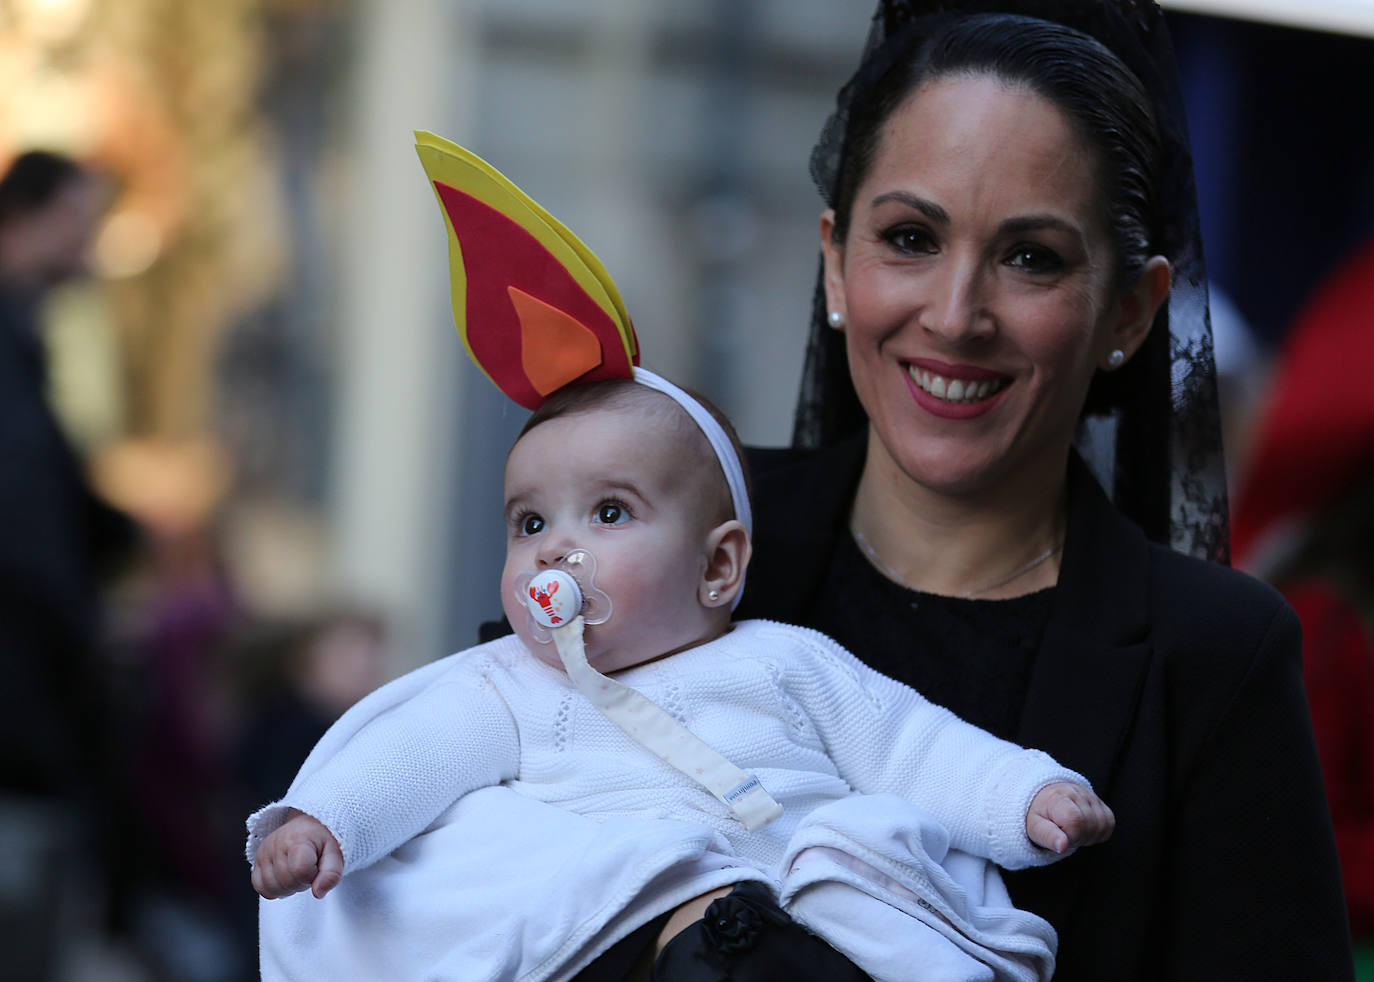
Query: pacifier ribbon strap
{"points": [[650, 725]]}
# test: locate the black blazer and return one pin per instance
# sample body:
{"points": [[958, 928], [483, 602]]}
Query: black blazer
{"points": [[1175, 686]]}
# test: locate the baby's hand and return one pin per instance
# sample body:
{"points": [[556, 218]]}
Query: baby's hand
{"points": [[1065, 815], [302, 853]]}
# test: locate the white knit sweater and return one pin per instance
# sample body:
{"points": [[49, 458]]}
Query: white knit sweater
{"points": [[786, 703]]}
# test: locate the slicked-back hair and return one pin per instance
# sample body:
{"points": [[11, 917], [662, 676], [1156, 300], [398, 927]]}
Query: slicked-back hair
{"points": [[1103, 100]]}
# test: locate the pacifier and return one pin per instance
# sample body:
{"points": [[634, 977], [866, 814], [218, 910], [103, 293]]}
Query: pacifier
{"points": [[555, 595]]}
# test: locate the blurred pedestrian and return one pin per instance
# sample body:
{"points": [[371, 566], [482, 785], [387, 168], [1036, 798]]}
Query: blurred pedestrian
{"points": [[1304, 520], [55, 538]]}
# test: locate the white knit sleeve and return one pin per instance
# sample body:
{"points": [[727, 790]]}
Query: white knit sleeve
{"points": [[884, 736], [387, 769]]}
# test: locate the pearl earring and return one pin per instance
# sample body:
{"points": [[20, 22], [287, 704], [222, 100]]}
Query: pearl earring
{"points": [[836, 319], [713, 595], [1116, 359]]}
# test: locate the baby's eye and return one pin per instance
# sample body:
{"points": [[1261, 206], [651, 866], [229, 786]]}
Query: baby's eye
{"points": [[612, 513], [1035, 259], [910, 240], [531, 524]]}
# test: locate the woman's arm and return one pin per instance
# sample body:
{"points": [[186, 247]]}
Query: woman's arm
{"points": [[1252, 888]]}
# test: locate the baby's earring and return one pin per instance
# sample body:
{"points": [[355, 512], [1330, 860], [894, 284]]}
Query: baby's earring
{"points": [[713, 595]]}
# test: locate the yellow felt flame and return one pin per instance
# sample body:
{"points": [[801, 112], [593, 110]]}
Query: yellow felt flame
{"points": [[448, 163]]}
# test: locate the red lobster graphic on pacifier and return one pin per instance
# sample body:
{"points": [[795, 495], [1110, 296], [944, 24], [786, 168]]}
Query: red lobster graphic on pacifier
{"points": [[555, 595]]}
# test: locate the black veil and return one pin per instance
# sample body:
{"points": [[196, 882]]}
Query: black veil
{"points": [[1150, 432]]}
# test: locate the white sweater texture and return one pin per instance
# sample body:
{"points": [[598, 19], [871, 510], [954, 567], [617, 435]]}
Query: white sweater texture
{"points": [[788, 704], [785, 703]]}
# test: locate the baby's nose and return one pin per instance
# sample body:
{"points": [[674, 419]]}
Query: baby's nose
{"points": [[551, 551]]}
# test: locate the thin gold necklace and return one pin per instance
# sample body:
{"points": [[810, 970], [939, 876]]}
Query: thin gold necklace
{"points": [[896, 577]]}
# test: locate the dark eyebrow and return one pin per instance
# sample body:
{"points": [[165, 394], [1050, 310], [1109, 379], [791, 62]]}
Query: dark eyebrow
{"points": [[1012, 226], [1033, 223], [928, 208], [620, 487]]}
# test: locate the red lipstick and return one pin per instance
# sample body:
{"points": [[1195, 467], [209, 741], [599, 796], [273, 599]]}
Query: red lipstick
{"points": [[963, 373]]}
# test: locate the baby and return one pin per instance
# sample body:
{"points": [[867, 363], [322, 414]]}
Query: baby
{"points": [[892, 809]]}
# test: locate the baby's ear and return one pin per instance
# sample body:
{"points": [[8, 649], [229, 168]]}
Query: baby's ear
{"points": [[727, 556]]}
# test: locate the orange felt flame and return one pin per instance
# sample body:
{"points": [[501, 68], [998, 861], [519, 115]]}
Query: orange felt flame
{"points": [[490, 255], [555, 348]]}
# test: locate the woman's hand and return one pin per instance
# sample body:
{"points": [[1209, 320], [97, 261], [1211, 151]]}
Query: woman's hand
{"points": [[302, 853], [1063, 816]]}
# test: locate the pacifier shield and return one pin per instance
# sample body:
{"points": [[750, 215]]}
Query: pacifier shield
{"points": [[555, 595], [552, 597]]}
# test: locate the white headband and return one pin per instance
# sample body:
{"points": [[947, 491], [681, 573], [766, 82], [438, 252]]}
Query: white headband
{"points": [[720, 443]]}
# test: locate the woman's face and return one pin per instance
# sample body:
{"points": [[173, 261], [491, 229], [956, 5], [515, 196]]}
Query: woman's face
{"points": [[977, 282]]}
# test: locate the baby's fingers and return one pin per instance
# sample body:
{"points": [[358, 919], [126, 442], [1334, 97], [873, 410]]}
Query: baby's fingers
{"points": [[282, 872], [331, 869], [1046, 834], [1084, 817], [1068, 815]]}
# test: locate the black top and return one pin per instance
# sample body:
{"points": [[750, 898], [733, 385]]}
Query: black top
{"points": [[1175, 686], [971, 656]]}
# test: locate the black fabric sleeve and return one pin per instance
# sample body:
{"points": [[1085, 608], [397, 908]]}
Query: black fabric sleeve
{"points": [[1252, 889]]}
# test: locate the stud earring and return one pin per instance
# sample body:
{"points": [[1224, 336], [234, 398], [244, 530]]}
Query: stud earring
{"points": [[713, 595], [836, 319], [1116, 359]]}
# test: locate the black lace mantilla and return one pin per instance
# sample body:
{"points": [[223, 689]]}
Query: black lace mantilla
{"points": [[1169, 478]]}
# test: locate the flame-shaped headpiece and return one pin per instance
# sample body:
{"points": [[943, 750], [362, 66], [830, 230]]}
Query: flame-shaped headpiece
{"points": [[535, 308]]}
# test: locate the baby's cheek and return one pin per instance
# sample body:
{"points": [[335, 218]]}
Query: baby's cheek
{"points": [[509, 605]]}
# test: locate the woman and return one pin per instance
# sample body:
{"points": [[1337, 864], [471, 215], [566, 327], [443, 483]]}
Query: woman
{"points": [[1008, 207]]}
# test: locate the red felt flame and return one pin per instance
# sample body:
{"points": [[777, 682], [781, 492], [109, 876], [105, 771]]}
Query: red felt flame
{"points": [[498, 256]]}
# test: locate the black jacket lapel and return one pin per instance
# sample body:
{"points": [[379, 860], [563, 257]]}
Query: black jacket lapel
{"points": [[1096, 640], [808, 499]]}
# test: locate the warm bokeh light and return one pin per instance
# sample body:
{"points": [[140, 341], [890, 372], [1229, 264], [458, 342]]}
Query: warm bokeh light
{"points": [[52, 21], [128, 244]]}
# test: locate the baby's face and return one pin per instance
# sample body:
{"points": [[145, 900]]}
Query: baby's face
{"points": [[610, 481]]}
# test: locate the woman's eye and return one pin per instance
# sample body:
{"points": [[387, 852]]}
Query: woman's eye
{"points": [[611, 513], [910, 239], [1035, 259], [531, 525]]}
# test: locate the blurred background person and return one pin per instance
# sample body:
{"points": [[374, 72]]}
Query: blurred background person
{"points": [[1304, 520], [266, 283], [299, 679], [56, 541]]}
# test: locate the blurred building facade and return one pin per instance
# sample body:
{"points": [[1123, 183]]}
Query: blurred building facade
{"points": [[266, 372], [275, 283]]}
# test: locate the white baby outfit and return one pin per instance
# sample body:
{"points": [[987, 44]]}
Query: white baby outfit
{"points": [[446, 881]]}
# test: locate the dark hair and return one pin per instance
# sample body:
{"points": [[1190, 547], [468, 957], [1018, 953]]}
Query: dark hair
{"points": [[1103, 99], [33, 180], [626, 394], [1160, 408]]}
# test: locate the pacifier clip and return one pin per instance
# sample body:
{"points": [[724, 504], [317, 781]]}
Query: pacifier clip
{"points": [[647, 723]]}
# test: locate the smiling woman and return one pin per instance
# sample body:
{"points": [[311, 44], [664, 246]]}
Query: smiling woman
{"points": [[1010, 316], [977, 283]]}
